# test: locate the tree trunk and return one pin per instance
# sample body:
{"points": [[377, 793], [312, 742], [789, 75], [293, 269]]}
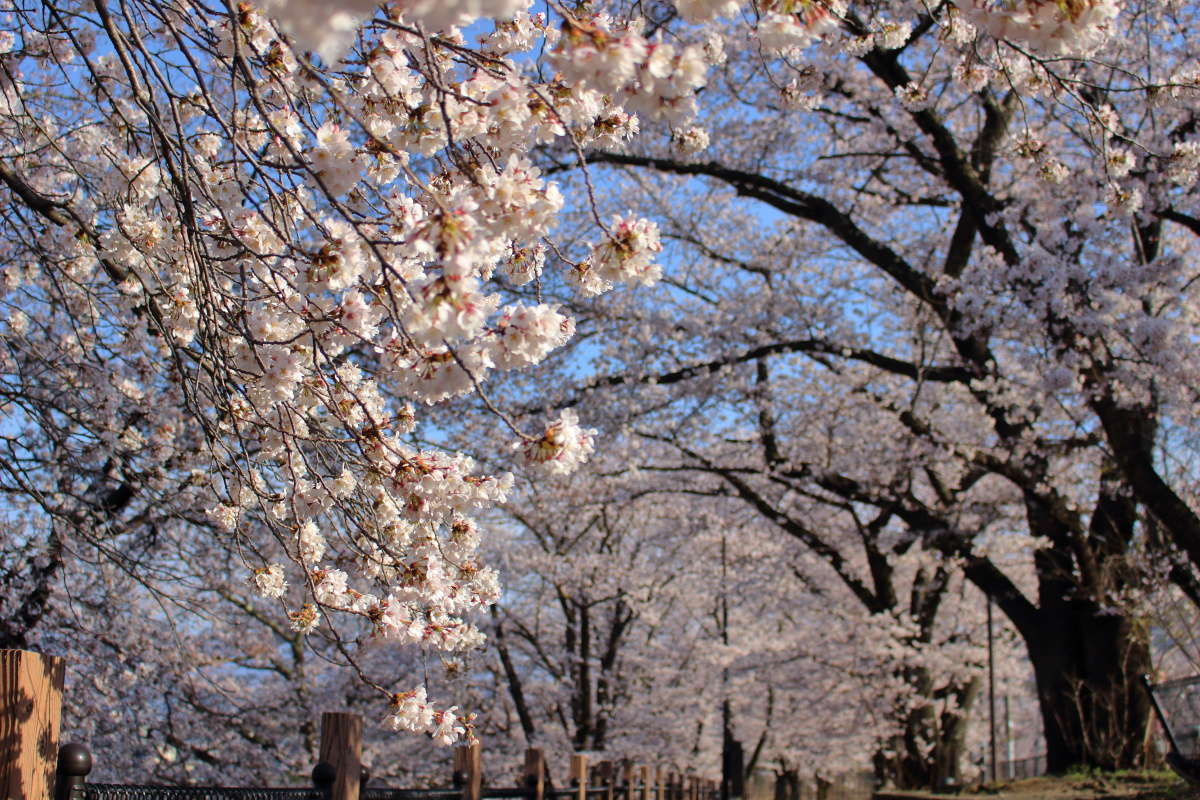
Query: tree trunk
{"points": [[928, 753], [952, 738], [1087, 654], [787, 784], [1087, 663]]}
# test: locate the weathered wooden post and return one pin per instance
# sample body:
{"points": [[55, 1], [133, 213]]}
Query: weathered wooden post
{"points": [[604, 777], [468, 763], [341, 748], [579, 775], [627, 777], [660, 779], [31, 687], [534, 774], [644, 777]]}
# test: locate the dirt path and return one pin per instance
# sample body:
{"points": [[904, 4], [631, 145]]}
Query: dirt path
{"points": [[1134, 786]]}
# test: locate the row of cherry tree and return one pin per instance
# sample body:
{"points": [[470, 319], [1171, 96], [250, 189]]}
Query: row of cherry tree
{"points": [[641, 620], [904, 300], [929, 296]]}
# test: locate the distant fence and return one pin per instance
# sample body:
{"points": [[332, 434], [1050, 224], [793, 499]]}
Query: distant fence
{"points": [[1020, 768], [768, 785]]}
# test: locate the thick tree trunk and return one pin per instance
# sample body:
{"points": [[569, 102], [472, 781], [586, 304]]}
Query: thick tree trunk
{"points": [[787, 785], [1087, 660], [1087, 656], [928, 753], [1087, 663], [952, 739]]}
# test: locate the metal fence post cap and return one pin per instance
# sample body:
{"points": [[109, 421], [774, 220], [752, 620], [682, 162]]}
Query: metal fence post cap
{"points": [[74, 759]]}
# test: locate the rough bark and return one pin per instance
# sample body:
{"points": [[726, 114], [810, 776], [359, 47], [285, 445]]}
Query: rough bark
{"points": [[915, 764], [1087, 663]]}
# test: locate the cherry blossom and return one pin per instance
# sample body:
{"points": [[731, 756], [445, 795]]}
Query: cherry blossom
{"points": [[1049, 27], [305, 283]]}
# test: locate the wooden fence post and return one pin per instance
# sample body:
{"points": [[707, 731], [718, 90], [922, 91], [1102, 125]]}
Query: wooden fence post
{"points": [[31, 687], [644, 777], [534, 773], [579, 774], [660, 777], [604, 777], [341, 748], [468, 762]]}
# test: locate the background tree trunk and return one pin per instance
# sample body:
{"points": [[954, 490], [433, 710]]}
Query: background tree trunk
{"points": [[1087, 663]]}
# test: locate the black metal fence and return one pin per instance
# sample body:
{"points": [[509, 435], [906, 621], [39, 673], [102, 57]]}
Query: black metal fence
{"points": [[1178, 704], [75, 763], [110, 791]]}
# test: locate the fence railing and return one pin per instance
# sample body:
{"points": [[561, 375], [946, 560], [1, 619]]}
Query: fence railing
{"points": [[1021, 768], [607, 781]]}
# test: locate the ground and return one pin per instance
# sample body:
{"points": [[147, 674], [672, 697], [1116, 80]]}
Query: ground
{"points": [[1116, 786]]}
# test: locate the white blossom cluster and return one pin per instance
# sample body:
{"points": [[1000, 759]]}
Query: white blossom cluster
{"points": [[653, 78], [330, 28], [562, 448], [317, 257], [411, 711], [1046, 27], [625, 257], [783, 30]]}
